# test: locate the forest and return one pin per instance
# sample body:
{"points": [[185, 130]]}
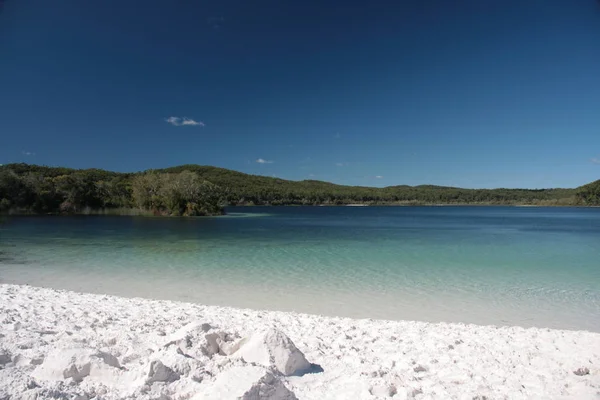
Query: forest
{"points": [[194, 190]]}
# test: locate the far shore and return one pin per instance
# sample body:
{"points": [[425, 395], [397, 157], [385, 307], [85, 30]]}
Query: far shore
{"points": [[143, 213]]}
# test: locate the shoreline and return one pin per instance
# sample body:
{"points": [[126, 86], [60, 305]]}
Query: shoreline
{"points": [[333, 303], [348, 358], [148, 214]]}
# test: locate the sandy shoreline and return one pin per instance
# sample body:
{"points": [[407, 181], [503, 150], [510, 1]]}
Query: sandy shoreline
{"points": [[60, 344]]}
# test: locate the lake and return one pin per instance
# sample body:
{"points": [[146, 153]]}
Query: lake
{"points": [[527, 266]]}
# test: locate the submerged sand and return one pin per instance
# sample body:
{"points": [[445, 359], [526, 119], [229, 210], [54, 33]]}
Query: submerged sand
{"points": [[67, 345]]}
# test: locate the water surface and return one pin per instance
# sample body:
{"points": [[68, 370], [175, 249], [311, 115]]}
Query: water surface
{"points": [[524, 266]]}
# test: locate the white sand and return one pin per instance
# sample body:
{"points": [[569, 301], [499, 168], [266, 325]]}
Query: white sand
{"points": [[66, 345]]}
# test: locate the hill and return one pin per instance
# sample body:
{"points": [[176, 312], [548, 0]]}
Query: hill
{"points": [[255, 189], [33, 188], [589, 194]]}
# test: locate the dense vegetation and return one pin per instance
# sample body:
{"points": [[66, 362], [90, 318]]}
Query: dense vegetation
{"points": [[31, 188], [182, 193], [252, 189], [589, 194], [202, 190]]}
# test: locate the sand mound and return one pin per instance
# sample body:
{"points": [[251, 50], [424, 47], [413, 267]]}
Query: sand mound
{"points": [[246, 383], [77, 364], [273, 347]]}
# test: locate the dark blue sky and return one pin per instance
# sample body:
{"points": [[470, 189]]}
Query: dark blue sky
{"points": [[495, 93]]}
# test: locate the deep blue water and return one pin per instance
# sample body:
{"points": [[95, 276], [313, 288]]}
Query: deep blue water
{"points": [[525, 266]]}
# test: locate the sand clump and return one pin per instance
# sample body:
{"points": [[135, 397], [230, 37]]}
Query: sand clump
{"points": [[273, 347]]}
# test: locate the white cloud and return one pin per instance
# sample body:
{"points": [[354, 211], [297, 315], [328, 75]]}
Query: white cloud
{"points": [[28, 153], [340, 164], [188, 121], [595, 160], [263, 161], [378, 177], [185, 121], [173, 120]]}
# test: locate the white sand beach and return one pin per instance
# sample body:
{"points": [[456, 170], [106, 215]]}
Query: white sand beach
{"points": [[58, 344]]}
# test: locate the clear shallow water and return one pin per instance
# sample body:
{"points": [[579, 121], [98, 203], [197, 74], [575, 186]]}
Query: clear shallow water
{"points": [[488, 265]]}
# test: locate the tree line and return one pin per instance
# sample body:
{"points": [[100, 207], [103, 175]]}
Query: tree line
{"points": [[192, 190], [35, 189]]}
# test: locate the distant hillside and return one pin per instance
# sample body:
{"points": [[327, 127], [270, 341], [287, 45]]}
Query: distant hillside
{"points": [[266, 190], [33, 188], [589, 194]]}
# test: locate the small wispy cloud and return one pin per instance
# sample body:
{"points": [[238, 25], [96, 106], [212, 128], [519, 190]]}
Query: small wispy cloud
{"points": [[378, 177], [338, 135], [28, 153], [185, 121], [341, 164], [188, 121], [595, 161], [263, 161], [311, 175]]}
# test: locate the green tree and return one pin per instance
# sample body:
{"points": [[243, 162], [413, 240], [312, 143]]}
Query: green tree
{"points": [[589, 194]]}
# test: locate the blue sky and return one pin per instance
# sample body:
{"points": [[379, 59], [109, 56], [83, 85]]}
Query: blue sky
{"points": [[472, 93]]}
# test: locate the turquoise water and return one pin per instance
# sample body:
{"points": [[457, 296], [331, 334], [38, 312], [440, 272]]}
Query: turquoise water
{"points": [[489, 265]]}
